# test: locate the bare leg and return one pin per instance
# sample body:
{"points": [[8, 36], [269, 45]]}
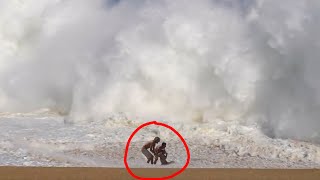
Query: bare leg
{"points": [[150, 160], [156, 159], [148, 155], [163, 159]]}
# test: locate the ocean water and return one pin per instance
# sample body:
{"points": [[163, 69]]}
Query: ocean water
{"points": [[43, 138], [240, 76]]}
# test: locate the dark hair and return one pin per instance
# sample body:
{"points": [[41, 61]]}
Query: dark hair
{"points": [[163, 144]]}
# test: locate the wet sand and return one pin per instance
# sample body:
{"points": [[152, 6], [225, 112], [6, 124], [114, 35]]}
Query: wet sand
{"points": [[35, 173]]}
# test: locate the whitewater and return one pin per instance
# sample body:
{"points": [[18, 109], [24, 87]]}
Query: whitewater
{"points": [[238, 79]]}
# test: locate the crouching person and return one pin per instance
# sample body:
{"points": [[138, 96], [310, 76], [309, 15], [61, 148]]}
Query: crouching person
{"points": [[160, 152], [150, 145]]}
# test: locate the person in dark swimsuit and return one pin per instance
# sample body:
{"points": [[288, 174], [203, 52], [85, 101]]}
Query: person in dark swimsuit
{"points": [[160, 152]]}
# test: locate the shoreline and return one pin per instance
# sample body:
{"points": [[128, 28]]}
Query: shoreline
{"points": [[51, 173]]}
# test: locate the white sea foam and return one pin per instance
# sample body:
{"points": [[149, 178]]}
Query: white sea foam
{"points": [[248, 62]]}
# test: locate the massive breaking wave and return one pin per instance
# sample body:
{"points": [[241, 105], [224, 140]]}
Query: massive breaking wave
{"points": [[251, 61]]}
